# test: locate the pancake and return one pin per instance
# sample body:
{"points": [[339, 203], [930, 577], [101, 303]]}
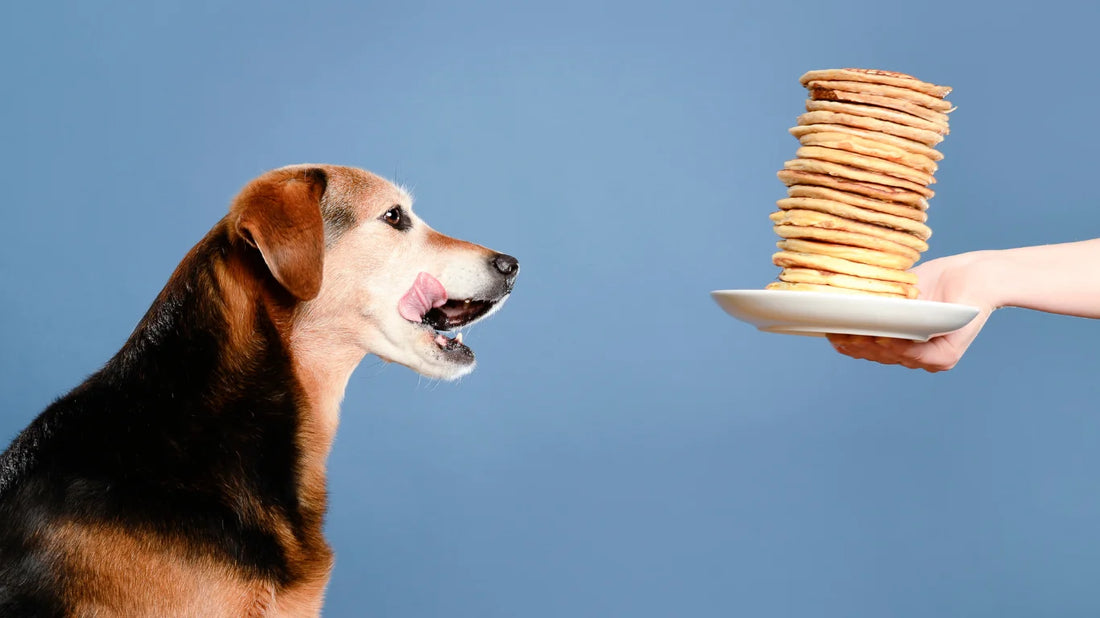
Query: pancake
{"points": [[824, 277], [891, 208], [854, 173], [920, 98], [855, 213], [855, 239], [907, 145], [928, 138], [826, 94], [876, 76], [870, 148], [810, 287], [867, 189], [872, 164], [825, 221], [882, 113], [791, 259], [847, 252]]}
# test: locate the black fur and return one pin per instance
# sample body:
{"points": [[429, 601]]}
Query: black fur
{"points": [[162, 439], [339, 217]]}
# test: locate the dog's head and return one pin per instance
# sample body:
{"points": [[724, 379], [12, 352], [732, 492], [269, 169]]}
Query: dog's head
{"points": [[365, 271]]}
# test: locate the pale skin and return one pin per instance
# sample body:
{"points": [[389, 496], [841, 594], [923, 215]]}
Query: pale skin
{"points": [[1061, 278]]}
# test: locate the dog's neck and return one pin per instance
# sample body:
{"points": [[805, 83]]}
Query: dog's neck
{"points": [[323, 362]]}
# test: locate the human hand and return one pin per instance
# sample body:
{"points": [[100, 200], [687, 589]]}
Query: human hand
{"points": [[951, 279]]}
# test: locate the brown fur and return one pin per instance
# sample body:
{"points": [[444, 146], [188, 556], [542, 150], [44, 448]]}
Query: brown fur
{"points": [[280, 215], [114, 572]]}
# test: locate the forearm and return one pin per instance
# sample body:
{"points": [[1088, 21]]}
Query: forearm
{"points": [[1062, 278]]}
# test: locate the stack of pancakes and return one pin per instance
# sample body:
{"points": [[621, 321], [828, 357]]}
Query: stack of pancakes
{"points": [[854, 219]]}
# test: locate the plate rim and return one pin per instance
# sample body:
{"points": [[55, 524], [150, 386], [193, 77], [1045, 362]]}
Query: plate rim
{"points": [[849, 298], [840, 302]]}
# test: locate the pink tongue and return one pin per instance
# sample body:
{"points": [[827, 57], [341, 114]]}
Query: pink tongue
{"points": [[426, 293]]}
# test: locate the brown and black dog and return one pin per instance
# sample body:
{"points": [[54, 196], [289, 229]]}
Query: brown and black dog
{"points": [[187, 476]]}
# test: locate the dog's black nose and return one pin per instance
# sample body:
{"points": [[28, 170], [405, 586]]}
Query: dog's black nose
{"points": [[506, 265]]}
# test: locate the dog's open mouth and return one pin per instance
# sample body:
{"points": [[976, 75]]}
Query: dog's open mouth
{"points": [[452, 315], [426, 303]]}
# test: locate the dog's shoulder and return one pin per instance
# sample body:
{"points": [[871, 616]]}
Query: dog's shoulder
{"points": [[164, 455]]}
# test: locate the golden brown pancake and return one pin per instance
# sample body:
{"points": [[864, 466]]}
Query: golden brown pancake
{"points": [[854, 173], [892, 208], [881, 113], [825, 221], [790, 259], [825, 94], [847, 252], [810, 287], [824, 277], [855, 213], [870, 148], [854, 239], [867, 189], [905, 144], [928, 138], [931, 102], [871, 164], [876, 76]]}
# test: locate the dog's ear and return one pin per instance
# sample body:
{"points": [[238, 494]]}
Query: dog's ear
{"points": [[279, 213]]}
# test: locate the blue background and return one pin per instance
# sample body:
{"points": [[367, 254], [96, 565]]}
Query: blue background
{"points": [[625, 448]]}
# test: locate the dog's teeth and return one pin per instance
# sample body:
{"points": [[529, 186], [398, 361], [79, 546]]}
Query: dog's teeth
{"points": [[467, 301], [458, 337]]}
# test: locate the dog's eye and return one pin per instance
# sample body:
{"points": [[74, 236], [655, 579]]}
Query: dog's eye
{"points": [[394, 217]]}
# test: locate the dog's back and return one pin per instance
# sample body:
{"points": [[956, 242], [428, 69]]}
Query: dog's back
{"points": [[163, 472]]}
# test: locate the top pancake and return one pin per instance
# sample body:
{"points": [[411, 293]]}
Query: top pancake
{"points": [[877, 76]]}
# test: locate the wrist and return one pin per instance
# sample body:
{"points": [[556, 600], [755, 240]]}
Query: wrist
{"points": [[985, 282]]}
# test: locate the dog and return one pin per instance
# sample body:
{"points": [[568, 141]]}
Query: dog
{"points": [[187, 476]]}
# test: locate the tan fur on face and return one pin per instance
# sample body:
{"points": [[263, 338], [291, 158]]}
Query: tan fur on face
{"points": [[367, 269]]}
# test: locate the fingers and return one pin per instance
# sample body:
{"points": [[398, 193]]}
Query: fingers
{"points": [[931, 356]]}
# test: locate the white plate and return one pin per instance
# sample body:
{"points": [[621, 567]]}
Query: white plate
{"points": [[817, 313]]}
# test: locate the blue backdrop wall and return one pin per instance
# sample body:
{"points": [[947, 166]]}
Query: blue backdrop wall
{"points": [[624, 449]]}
